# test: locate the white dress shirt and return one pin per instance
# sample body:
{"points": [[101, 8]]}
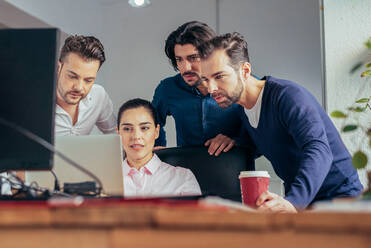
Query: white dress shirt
{"points": [[95, 109], [253, 114], [157, 178]]}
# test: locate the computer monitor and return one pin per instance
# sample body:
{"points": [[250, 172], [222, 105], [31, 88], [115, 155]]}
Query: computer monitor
{"points": [[28, 64]]}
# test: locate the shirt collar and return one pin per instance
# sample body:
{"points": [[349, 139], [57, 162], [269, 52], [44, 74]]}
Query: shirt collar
{"points": [[59, 110], [253, 114], [83, 104], [150, 168], [258, 102]]}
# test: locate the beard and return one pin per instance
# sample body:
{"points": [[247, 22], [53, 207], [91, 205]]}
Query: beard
{"points": [[195, 82], [73, 100], [231, 98], [71, 97]]}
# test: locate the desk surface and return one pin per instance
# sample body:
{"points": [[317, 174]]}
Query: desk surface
{"points": [[166, 224]]}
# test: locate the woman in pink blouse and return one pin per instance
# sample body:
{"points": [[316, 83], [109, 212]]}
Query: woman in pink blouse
{"points": [[144, 173]]}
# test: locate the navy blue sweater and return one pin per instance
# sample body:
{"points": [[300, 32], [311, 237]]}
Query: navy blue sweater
{"points": [[296, 135]]}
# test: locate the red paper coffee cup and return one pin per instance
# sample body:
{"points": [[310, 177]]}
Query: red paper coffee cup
{"points": [[253, 184]]}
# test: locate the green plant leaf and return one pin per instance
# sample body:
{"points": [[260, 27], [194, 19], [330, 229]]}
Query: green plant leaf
{"points": [[359, 160], [366, 73], [362, 100], [368, 43], [349, 128], [338, 114], [356, 67], [357, 109], [368, 65]]}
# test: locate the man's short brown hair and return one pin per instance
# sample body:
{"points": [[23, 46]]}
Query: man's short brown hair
{"points": [[88, 47]]}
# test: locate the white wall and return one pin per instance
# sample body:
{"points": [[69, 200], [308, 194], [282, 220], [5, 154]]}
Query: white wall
{"points": [[283, 38], [12, 17], [347, 27]]}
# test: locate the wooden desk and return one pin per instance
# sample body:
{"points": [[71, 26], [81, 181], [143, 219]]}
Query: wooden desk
{"points": [[145, 225]]}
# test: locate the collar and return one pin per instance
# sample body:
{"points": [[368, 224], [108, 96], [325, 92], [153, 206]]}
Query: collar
{"points": [[253, 114], [59, 110], [86, 102], [83, 104], [258, 102], [150, 168]]}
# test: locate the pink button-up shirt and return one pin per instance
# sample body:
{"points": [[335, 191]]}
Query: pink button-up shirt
{"points": [[157, 178]]}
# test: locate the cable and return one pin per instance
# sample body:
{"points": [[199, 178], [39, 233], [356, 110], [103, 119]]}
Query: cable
{"points": [[51, 148], [30, 190], [56, 182], [1, 184]]}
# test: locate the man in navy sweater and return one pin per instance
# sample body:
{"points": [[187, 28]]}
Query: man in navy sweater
{"points": [[283, 122]]}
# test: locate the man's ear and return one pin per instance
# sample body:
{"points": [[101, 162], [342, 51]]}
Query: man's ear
{"points": [[117, 130], [245, 70], [157, 131], [59, 67]]}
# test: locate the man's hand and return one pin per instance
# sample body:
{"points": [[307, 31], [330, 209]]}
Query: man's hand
{"points": [[219, 143], [270, 202], [158, 148], [21, 175]]}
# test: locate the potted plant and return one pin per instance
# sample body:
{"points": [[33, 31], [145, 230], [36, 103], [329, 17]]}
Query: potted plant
{"points": [[351, 121]]}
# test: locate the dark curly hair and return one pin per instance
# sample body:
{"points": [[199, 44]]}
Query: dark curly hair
{"points": [[193, 33]]}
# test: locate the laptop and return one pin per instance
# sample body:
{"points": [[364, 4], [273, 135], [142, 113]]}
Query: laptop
{"points": [[100, 154]]}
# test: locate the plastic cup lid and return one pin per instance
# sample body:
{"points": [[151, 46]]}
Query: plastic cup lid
{"points": [[253, 174]]}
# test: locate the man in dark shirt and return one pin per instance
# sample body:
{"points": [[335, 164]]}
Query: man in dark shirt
{"points": [[284, 123], [198, 118]]}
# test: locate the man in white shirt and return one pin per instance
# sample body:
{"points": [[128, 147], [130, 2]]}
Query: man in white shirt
{"points": [[80, 104]]}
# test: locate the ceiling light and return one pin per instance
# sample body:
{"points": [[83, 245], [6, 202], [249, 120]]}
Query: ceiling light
{"points": [[139, 3]]}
